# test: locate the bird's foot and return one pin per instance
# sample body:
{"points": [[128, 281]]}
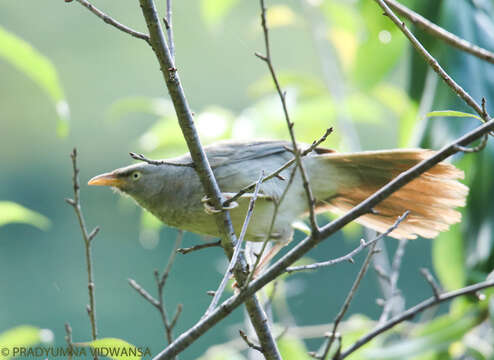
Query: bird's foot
{"points": [[211, 210]]}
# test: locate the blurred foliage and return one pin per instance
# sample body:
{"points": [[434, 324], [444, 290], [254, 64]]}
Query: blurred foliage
{"points": [[11, 212], [39, 69], [370, 84], [19, 337]]}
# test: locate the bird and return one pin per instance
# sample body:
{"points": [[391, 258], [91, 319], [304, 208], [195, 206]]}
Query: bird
{"points": [[171, 189]]}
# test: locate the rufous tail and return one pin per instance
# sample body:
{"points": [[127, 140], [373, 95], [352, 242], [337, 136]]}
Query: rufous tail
{"points": [[431, 199]]}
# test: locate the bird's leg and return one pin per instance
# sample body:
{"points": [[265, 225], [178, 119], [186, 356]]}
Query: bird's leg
{"points": [[210, 209]]}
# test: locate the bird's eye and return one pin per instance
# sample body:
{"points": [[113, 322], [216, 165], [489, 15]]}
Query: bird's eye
{"points": [[136, 175]]}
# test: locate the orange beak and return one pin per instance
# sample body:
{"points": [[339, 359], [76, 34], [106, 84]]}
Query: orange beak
{"points": [[107, 179]]}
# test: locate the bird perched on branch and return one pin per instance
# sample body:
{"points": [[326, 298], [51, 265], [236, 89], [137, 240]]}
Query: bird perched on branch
{"points": [[173, 193]]}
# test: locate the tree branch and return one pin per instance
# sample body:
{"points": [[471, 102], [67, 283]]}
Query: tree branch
{"points": [[109, 20], [440, 33], [201, 327]]}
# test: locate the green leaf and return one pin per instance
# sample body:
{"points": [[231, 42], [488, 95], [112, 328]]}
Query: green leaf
{"points": [[214, 11], [39, 69], [20, 336], [449, 259], [11, 212], [114, 348], [452, 113]]}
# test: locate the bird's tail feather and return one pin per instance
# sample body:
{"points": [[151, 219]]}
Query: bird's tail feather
{"points": [[431, 198]]}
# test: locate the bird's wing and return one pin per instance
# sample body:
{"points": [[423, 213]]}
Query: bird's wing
{"points": [[231, 152]]}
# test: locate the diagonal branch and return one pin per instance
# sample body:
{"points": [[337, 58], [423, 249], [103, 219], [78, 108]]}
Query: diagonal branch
{"points": [[441, 33], [433, 63], [206, 323]]}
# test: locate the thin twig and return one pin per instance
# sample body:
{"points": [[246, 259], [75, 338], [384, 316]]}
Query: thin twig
{"points": [[393, 281], [434, 64], [299, 250], [277, 205], [68, 339], [348, 300], [410, 313], [474, 149], [184, 251], [141, 157], [441, 33], [349, 257], [278, 171], [88, 238], [159, 303], [249, 343], [147, 296], [436, 289], [298, 159], [109, 20], [238, 246]]}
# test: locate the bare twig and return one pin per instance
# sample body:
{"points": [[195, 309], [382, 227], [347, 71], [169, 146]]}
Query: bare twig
{"points": [[348, 300], [249, 343], [349, 257], [393, 281], [109, 20], [436, 289], [277, 205], [474, 149], [68, 340], [298, 159], [433, 63], [441, 33], [147, 296], [88, 238], [159, 303], [206, 323], [410, 313], [238, 246], [141, 157], [199, 247]]}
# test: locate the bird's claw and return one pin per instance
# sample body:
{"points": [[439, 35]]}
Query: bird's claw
{"points": [[211, 210]]}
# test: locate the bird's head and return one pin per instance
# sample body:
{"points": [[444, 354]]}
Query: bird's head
{"points": [[141, 181]]}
